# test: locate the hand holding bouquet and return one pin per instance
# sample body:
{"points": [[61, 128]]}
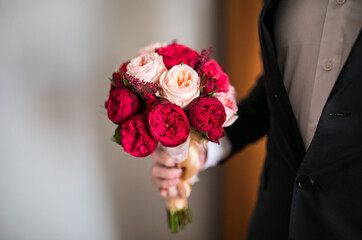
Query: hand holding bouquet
{"points": [[173, 97]]}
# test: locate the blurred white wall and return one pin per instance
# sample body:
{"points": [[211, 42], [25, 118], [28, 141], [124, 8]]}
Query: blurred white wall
{"points": [[60, 177]]}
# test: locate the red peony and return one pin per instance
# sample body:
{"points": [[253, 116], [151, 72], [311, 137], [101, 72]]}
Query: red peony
{"points": [[117, 80], [117, 77], [123, 68], [135, 137], [175, 54], [208, 85], [168, 123], [206, 113], [215, 135], [122, 104], [216, 79]]}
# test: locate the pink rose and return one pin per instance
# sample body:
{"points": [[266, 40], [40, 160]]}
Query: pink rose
{"points": [[206, 113], [180, 85], [215, 135], [168, 123], [122, 103], [135, 137], [216, 79], [232, 92], [147, 67], [150, 48], [175, 54], [229, 102]]}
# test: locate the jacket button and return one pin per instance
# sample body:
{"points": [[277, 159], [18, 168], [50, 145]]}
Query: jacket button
{"points": [[304, 182]]}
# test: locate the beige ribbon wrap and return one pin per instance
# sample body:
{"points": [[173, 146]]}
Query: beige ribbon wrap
{"points": [[177, 196]]}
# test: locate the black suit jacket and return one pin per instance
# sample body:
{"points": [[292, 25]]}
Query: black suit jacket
{"points": [[313, 194]]}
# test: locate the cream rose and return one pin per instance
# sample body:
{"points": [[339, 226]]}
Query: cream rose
{"points": [[147, 67], [180, 85], [150, 48], [228, 100]]}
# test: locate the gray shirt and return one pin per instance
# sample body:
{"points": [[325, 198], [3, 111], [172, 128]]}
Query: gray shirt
{"points": [[313, 39]]}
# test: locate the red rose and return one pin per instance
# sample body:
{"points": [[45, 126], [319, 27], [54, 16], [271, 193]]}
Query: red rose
{"points": [[135, 137], [206, 113], [168, 123], [216, 79], [215, 135], [122, 104], [175, 54]]}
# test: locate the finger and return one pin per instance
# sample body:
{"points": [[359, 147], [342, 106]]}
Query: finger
{"points": [[162, 192], [159, 171], [202, 155], [163, 158], [165, 183]]}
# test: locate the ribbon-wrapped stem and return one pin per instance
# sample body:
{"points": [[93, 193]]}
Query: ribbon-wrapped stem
{"points": [[187, 157]]}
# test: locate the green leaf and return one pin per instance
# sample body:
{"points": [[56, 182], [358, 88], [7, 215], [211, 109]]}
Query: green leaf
{"points": [[109, 78], [216, 76], [202, 89], [142, 98], [125, 81], [203, 76], [117, 136]]}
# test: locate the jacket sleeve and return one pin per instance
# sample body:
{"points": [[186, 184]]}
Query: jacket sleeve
{"points": [[253, 121]]}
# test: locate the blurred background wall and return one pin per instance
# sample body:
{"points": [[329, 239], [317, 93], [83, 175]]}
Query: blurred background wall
{"points": [[60, 177], [243, 64]]}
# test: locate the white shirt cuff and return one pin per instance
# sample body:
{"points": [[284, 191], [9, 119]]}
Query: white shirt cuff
{"points": [[217, 152]]}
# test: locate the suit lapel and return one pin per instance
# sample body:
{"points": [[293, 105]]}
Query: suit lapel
{"points": [[333, 139], [279, 100], [351, 69]]}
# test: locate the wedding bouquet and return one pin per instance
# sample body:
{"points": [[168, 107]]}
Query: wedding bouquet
{"points": [[175, 98]]}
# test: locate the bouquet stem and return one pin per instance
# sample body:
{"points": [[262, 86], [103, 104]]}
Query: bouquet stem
{"points": [[179, 219], [178, 211]]}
